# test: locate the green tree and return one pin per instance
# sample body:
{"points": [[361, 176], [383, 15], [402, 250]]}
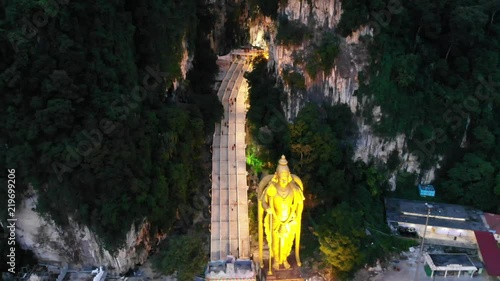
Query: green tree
{"points": [[265, 116], [294, 79], [183, 255], [470, 183], [340, 239], [86, 119], [322, 57]]}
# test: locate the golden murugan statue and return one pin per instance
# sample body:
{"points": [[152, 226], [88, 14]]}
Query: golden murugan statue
{"points": [[281, 196]]}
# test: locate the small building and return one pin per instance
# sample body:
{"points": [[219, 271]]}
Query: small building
{"points": [[426, 190], [449, 224], [446, 263]]}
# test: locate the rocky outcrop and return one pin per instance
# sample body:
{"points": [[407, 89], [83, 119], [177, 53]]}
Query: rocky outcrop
{"points": [[320, 13], [226, 13], [218, 9], [78, 245], [340, 85], [185, 64]]}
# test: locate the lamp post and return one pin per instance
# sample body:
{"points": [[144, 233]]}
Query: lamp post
{"points": [[429, 207]]}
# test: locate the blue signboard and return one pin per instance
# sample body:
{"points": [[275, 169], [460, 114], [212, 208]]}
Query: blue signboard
{"points": [[426, 190]]}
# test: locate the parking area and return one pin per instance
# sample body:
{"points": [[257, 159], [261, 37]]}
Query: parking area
{"points": [[404, 269]]}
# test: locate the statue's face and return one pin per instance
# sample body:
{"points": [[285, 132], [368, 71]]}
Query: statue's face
{"points": [[284, 178]]}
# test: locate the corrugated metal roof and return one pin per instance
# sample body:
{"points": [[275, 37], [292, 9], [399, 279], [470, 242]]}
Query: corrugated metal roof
{"points": [[489, 251], [442, 215]]}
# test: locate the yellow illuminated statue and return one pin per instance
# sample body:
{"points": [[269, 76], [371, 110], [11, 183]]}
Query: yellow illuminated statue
{"points": [[281, 198]]}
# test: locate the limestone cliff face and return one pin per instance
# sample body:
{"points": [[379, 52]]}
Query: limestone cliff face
{"points": [[321, 13], [218, 8], [341, 84], [78, 245], [185, 64], [222, 12]]}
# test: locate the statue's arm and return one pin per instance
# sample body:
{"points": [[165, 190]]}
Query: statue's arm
{"points": [[300, 205], [298, 181], [297, 205], [263, 184], [265, 202], [265, 199], [299, 202], [262, 190]]}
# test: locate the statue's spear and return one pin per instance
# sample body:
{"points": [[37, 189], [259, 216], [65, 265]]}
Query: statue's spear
{"points": [[297, 242], [271, 192], [260, 214], [298, 211]]}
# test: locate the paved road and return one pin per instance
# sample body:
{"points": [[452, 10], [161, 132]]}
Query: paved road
{"points": [[229, 209]]}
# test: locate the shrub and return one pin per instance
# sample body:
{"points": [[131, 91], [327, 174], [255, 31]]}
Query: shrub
{"points": [[184, 255], [294, 79], [323, 56]]}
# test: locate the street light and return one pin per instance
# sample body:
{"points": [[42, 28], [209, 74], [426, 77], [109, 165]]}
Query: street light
{"points": [[429, 207]]}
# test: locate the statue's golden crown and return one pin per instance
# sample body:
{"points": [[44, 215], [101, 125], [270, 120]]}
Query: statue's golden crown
{"points": [[282, 165]]}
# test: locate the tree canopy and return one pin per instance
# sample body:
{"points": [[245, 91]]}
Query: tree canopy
{"points": [[85, 116], [434, 71]]}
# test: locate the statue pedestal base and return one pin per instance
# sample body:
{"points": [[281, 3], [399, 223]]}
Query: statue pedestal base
{"points": [[291, 274]]}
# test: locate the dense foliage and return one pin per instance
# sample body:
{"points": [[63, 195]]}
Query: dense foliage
{"points": [[185, 256], [345, 196], [322, 56], [294, 79], [236, 29], [265, 115], [344, 205], [435, 71], [86, 120], [356, 13]]}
